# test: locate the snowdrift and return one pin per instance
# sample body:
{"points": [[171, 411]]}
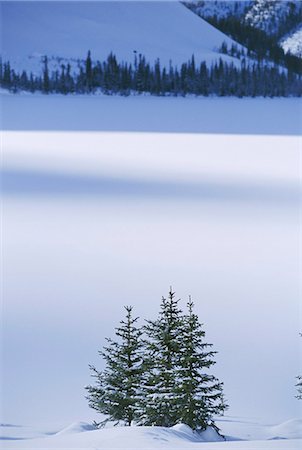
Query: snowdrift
{"points": [[82, 435]]}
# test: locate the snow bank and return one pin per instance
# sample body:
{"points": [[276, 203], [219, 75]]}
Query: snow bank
{"points": [[247, 430], [179, 436], [183, 431], [76, 427], [291, 429]]}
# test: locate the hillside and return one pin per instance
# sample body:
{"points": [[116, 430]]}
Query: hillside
{"points": [[277, 19], [165, 30]]}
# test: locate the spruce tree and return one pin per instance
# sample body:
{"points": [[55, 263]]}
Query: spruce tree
{"points": [[117, 390], [46, 81], [88, 72], [163, 342], [299, 387], [200, 392]]}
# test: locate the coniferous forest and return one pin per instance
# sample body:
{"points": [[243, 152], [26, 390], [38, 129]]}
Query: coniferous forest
{"points": [[158, 374], [114, 77], [259, 44]]}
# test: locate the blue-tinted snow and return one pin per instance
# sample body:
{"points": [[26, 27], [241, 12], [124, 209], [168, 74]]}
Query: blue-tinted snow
{"points": [[165, 30], [145, 113]]}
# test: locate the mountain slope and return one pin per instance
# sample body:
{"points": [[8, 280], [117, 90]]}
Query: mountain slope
{"points": [[274, 17], [278, 19], [165, 30]]}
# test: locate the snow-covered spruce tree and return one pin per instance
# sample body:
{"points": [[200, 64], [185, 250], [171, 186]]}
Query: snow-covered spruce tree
{"points": [[299, 387], [200, 393], [117, 392], [162, 346]]}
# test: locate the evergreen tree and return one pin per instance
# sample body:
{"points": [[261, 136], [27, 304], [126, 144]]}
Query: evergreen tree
{"points": [[160, 381], [88, 72], [46, 82], [117, 390], [200, 393], [113, 77], [7, 76], [299, 387]]}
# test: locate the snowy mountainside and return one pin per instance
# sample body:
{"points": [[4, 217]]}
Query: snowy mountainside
{"points": [[67, 30], [268, 15], [280, 19], [221, 8]]}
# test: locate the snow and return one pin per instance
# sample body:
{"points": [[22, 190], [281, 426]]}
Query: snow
{"points": [[107, 201], [248, 429], [179, 436], [293, 43], [267, 15], [152, 114], [110, 213], [221, 9], [76, 427], [165, 30]]}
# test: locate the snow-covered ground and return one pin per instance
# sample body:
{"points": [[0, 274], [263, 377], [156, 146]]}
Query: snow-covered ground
{"points": [[165, 30], [108, 213], [81, 435]]}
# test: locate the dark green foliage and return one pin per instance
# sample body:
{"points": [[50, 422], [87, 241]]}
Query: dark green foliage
{"points": [[258, 42], [117, 392], [200, 393], [112, 77], [160, 380], [46, 81], [88, 72], [299, 388], [163, 343], [177, 385]]}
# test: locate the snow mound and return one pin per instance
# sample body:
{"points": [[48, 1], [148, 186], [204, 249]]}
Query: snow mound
{"points": [[211, 435], [184, 431], [291, 429], [82, 435], [77, 427], [183, 428]]}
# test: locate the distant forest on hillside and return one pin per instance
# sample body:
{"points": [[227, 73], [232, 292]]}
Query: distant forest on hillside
{"points": [[261, 44], [250, 79]]}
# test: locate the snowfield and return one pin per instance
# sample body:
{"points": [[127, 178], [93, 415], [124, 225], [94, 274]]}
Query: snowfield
{"points": [[287, 436], [140, 193], [143, 113]]}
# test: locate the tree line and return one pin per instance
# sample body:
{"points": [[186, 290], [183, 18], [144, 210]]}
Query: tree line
{"points": [[112, 77], [158, 374]]}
